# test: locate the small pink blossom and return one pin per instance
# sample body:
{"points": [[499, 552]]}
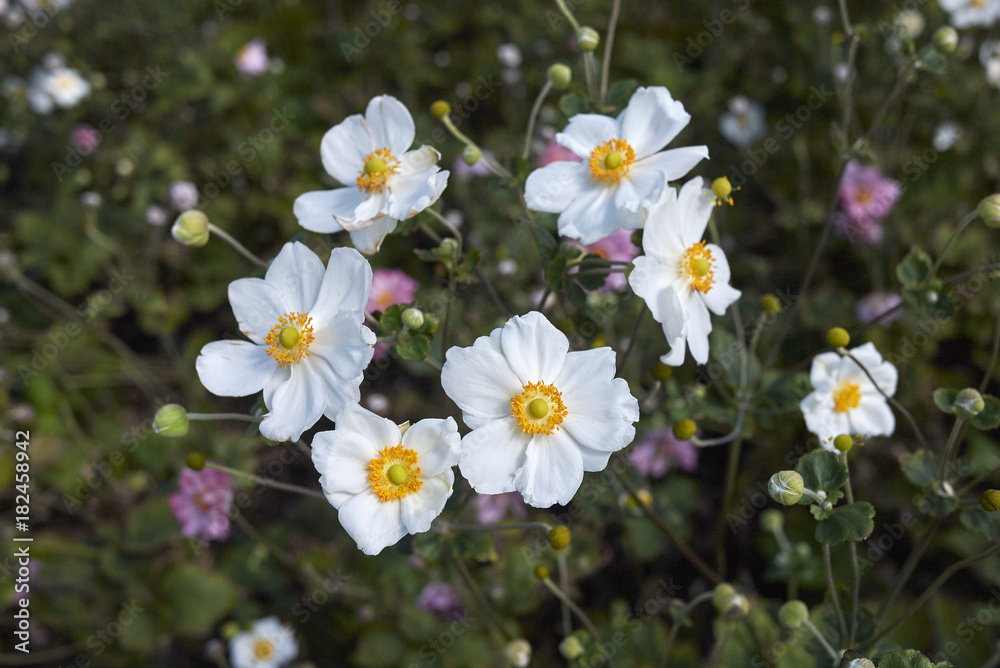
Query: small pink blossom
{"points": [[85, 139], [252, 59], [870, 307], [493, 508], [616, 246], [390, 287], [202, 504], [866, 197], [658, 449], [556, 152], [440, 599]]}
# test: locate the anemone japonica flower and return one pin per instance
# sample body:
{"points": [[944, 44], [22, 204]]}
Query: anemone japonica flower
{"points": [[540, 414], [385, 181], [555, 152], [308, 345], [967, 13], [680, 276], [624, 168], [871, 307], [252, 59], [844, 400], [391, 287], [440, 599], [384, 481], [989, 56], [59, 87], [659, 449], [268, 644], [202, 504], [866, 197], [744, 123]]}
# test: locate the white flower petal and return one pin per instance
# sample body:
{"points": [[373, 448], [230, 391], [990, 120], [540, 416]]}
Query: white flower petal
{"points": [[480, 381], [419, 509], [533, 347], [872, 417], [492, 454], [234, 368], [884, 373], [372, 524], [341, 457], [651, 120], [600, 408], [824, 371], [411, 194], [298, 273], [296, 404], [585, 132], [319, 210], [344, 148], [344, 285], [552, 471], [390, 123], [369, 239], [593, 215], [721, 294], [694, 208], [436, 442], [374, 429], [650, 280], [553, 188], [676, 162], [699, 326], [640, 189], [257, 306], [341, 362]]}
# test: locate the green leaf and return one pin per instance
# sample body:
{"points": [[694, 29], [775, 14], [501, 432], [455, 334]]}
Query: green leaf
{"points": [[822, 470], [555, 273], [546, 242], [921, 467], [574, 103], [465, 271], [414, 347], [620, 92], [931, 61], [391, 321], [476, 545], [979, 521], [989, 417], [914, 269], [853, 522], [944, 399], [196, 599], [909, 658], [150, 525], [936, 506]]}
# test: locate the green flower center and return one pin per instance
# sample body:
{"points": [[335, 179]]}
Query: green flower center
{"points": [[613, 160], [288, 337], [538, 408], [375, 165], [396, 474]]}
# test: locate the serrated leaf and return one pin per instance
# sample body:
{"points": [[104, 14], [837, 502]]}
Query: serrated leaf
{"points": [[853, 522], [909, 658], [414, 347], [555, 273], [546, 242], [574, 103], [979, 521], [989, 417], [196, 599], [921, 467], [944, 399], [935, 505], [620, 92], [822, 470], [931, 61], [391, 321], [914, 269]]}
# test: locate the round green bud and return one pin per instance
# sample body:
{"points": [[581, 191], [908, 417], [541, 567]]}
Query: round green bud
{"points": [[863, 662], [946, 40], [968, 404], [645, 497], [413, 318], [721, 187], [793, 614], [471, 155], [440, 109], [195, 461], [723, 594], [838, 337], [230, 629], [191, 228], [844, 443], [171, 421], [803, 550], [662, 372], [685, 429], [989, 210], [560, 76], [772, 520], [786, 487], [990, 500], [571, 648], [559, 537], [541, 571], [517, 653], [587, 39], [770, 304], [449, 246]]}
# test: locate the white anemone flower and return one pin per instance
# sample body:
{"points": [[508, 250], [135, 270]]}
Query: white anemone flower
{"points": [[385, 181], [268, 644], [540, 415], [624, 168], [308, 345], [967, 13], [65, 86], [384, 481], [845, 401], [680, 276]]}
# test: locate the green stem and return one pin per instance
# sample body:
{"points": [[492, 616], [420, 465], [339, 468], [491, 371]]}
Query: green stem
{"points": [[577, 610], [451, 228], [608, 44], [908, 567], [969, 217], [481, 601], [533, 116], [237, 246], [569, 15], [632, 340], [675, 627], [822, 640], [855, 565], [732, 468], [243, 417], [835, 598], [513, 526], [949, 448], [590, 70], [266, 482], [892, 400]]}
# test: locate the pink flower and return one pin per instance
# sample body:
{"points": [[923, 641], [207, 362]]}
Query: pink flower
{"points": [[492, 508], [556, 152], [440, 599], [866, 197], [85, 139], [616, 246], [873, 305], [390, 287], [202, 504], [658, 449], [252, 59]]}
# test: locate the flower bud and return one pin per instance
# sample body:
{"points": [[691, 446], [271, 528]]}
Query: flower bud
{"points": [[722, 188], [838, 337], [685, 429], [518, 653], [230, 629], [541, 571], [559, 537], [968, 404], [793, 614], [171, 421], [989, 210], [449, 246], [772, 520], [587, 39], [946, 40], [786, 487], [440, 109], [413, 318], [844, 443], [191, 228], [728, 601], [471, 154], [195, 461], [571, 648], [990, 500], [770, 304], [560, 76], [662, 372]]}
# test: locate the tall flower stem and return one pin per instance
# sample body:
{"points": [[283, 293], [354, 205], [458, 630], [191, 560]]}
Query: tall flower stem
{"points": [[266, 482], [855, 565], [577, 610], [608, 45], [242, 417], [477, 594], [237, 246], [832, 586], [964, 223], [533, 116], [892, 400], [675, 627]]}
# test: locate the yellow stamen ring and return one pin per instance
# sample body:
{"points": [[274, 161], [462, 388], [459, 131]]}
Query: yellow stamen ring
{"points": [[697, 266], [611, 161], [288, 341], [394, 473], [539, 408], [379, 166], [846, 396]]}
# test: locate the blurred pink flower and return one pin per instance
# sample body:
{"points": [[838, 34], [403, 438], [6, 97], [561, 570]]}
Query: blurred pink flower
{"points": [[202, 504], [252, 59], [869, 308], [616, 246], [556, 152], [492, 508], [658, 449], [463, 171], [440, 599], [390, 287], [85, 139], [866, 197]]}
